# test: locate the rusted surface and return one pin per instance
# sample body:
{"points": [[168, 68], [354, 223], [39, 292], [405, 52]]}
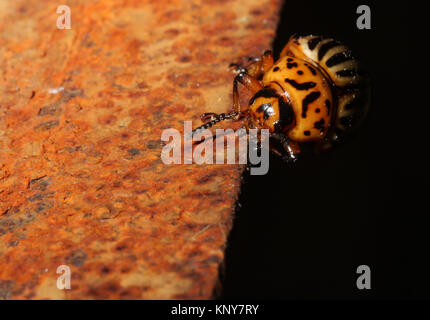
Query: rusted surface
{"points": [[81, 179]]}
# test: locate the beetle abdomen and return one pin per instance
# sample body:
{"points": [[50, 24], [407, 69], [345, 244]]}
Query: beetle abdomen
{"points": [[350, 84], [333, 57]]}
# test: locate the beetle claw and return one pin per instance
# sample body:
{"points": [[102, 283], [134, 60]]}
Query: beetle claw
{"points": [[237, 69], [208, 116]]}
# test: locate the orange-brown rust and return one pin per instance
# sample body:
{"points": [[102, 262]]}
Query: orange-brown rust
{"points": [[81, 116]]}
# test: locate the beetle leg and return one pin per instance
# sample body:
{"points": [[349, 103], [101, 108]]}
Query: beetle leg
{"points": [[250, 83], [291, 149], [258, 66], [208, 116], [262, 65], [248, 78], [211, 119]]}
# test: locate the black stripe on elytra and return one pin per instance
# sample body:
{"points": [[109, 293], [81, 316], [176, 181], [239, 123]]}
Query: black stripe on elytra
{"points": [[312, 43], [267, 109], [301, 86], [286, 115], [311, 97], [311, 69], [338, 58], [347, 73], [326, 47], [265, 93], [319, 125]]}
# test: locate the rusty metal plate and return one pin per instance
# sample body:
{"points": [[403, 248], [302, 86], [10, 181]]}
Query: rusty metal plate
{"points": [[81, 115]]}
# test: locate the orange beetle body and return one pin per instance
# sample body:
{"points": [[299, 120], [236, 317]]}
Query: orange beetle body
{"points": [[315, 92]]}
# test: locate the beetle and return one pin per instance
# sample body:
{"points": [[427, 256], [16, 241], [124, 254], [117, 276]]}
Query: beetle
{"points": [[315, 92]]}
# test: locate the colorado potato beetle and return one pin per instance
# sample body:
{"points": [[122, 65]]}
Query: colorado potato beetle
{"points": [[315, 92]]}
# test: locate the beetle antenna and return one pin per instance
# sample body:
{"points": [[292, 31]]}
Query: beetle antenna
{"points": [[213, 119]]}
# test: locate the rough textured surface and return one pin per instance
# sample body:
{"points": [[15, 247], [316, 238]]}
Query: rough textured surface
{"points": [[81, 180]]}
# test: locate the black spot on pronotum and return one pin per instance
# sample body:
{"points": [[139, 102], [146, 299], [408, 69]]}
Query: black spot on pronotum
{"points": [[311, 97], [265, 93], [312, 43], [276, 69], [301, 86], [319, 125], [326, 47], [291, 65], [307, 133]]}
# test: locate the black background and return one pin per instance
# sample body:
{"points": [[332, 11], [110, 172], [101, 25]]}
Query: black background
{"points": [[302, 230]]}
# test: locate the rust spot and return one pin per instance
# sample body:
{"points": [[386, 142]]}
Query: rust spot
{"points": [[105, 270], [206, 178], [69, 94], [47, 125], [179, 79], [172, 33], [104, 290], [77, 258], [225, 41], [256, 12], [108, 119], [6, 289], [133, 152], [53, 109], [142, 85], [185, 59], [105, 104], [154, 144], [135, 95], [40, 183]]}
